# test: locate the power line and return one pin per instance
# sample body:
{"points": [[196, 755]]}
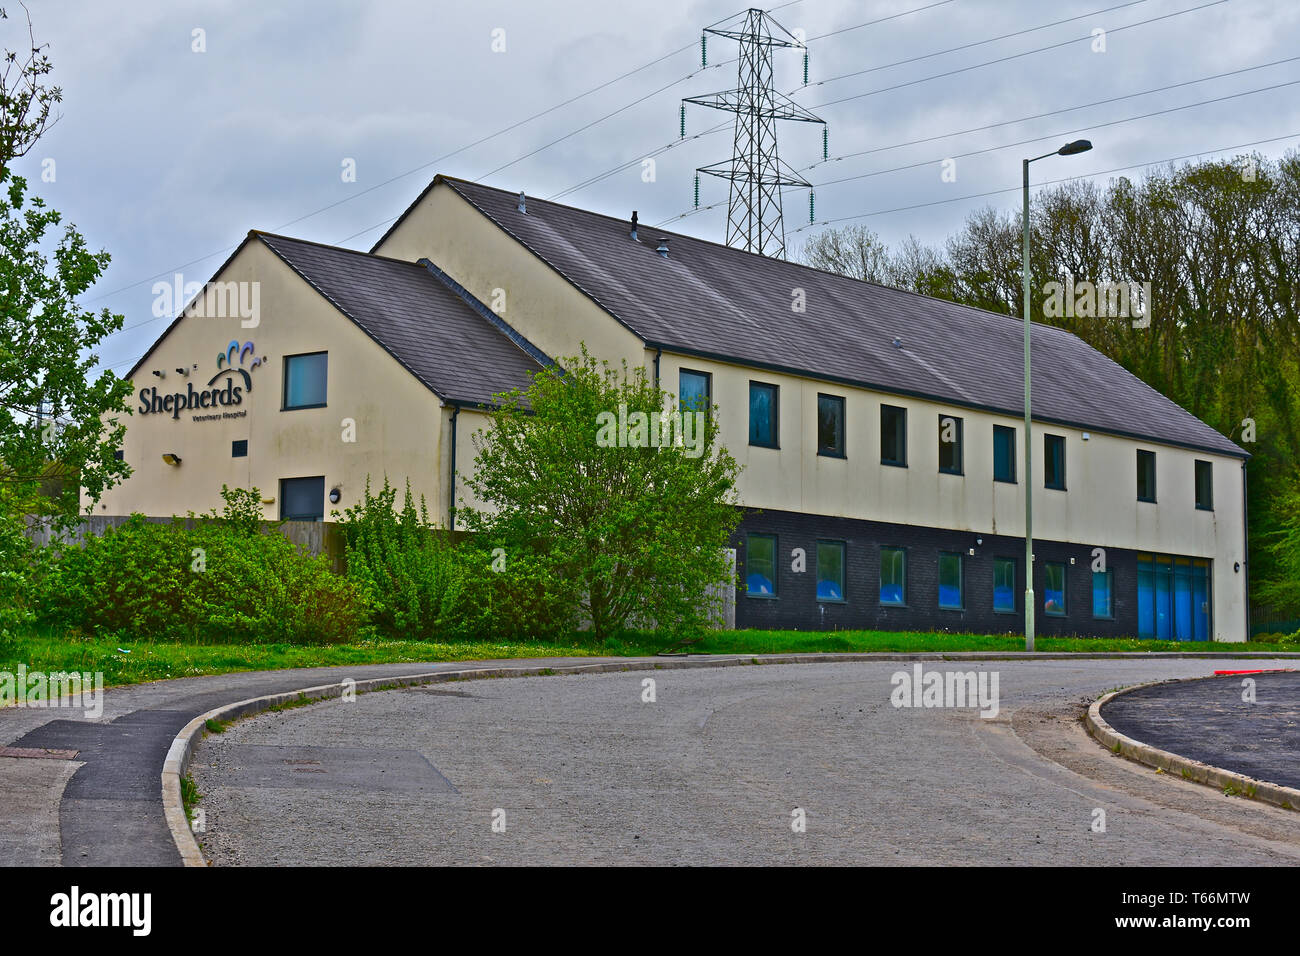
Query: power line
{"points": [[1051, 182]]}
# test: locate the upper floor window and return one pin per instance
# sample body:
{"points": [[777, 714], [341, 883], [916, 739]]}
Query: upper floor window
{"points": [[1146, 475], [239, 448], [695, 391], [1004, 453], [893, 435], [950, 450], [304, 380], [1205, 485], [763, 414], [830, 425], [1054, 462]]}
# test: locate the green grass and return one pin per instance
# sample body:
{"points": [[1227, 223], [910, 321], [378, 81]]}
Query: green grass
{"points": [[130, 662]]}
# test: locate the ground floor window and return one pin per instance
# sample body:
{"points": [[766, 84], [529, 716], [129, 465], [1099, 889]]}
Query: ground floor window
{"points": [[760, 565], [893, 576], [1102, 603], [1004, 585], [1054, 589], [830, 570], [302, 499], [1173, 598], [950, 581]]}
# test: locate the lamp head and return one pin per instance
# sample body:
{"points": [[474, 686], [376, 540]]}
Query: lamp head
{"points": [[1078, 146]]}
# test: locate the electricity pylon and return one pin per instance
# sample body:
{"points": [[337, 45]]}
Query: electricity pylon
{"points": [[754, 215]]}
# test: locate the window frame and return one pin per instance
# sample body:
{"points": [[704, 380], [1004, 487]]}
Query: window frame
{"points": [[284, 390], [844, 570], [708, 388], [901, 550], [1010, 432], [1047, 438], [1015, 577], [1196, 483], [960, 443], [1065, 588], [900, 462], [776, 414], [284, 481], [776, 574], [961, 582], [1145, 454], [830, 452]]}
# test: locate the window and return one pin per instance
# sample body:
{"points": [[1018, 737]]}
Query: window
{"points": [[1146, 462], [695, 391], [1054, 462], [760, 565], [302, 499], [119, 455], [1173, 598], [950, 581], [1004, 585], [893, 435], [762, 415], [239, 448], [893, 576], [830, 425], [304, 380], [950, 445], [1054, 589], [830, 570], [1205, 485], [1101, 601], [1004, 453]]}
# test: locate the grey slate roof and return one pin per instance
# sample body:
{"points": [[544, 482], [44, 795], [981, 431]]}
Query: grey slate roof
{"points": [[712, 300], [449, 346]]}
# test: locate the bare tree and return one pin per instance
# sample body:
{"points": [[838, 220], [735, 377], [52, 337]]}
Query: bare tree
{"points": [[26, 100]]}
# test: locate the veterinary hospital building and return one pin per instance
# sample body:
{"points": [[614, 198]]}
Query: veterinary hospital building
{"points": [[880, 432]]}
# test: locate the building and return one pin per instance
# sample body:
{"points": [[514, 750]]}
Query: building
{"points": [[880, 431]]}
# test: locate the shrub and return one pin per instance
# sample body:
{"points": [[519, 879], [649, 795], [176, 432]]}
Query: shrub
{"points": [[218, 577]]}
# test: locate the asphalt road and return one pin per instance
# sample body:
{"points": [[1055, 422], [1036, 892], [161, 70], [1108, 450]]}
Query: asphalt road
{"points": [[582, 770]]}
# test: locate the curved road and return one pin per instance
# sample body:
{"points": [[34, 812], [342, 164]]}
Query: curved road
{"points": [[581, 769]]}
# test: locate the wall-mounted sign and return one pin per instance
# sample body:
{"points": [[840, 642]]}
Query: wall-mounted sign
{"points": [[224, 389]]}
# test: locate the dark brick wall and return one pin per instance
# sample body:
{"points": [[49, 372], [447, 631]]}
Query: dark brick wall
{"points": [[796, 606]]}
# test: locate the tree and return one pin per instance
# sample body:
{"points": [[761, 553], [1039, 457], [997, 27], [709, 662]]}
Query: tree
{"points": [[57, 430], [853, 251], [577, 479]]}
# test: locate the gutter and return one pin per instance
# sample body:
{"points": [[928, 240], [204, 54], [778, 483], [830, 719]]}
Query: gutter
{"points": [[451, 501], [658, 355], [1245, 540]]}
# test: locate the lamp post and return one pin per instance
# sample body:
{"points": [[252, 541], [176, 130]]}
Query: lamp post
{"points": [[1069, 149]]}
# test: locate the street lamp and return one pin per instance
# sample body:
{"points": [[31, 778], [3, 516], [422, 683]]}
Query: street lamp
{"points": [[1069, 149]]}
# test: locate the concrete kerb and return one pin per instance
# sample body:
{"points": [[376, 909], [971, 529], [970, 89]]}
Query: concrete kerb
{"points": [[182, 747], [1225, 780]]}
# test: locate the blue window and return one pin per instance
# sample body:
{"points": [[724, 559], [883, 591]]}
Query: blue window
{"points": [[763, 414], [760, 565], [950, 451], [302, 499], [304, 380], [1054, 462], [830, 425], [893, 435], [830, 570], [1004, 453], [695, 391], [1054, 589], [1173, 598], [950, 596], [1102, 605], [893, 576], [1004, 585], [239, 448]]}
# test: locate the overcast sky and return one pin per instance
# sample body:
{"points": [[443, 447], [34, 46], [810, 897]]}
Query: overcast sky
{"points": [[166, 157]]}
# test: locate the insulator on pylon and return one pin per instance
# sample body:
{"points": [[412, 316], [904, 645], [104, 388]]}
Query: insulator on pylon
{"points": [[683, 134], [697, 190], [826, 142], [805, 67], [812, 200], [704, 50]]}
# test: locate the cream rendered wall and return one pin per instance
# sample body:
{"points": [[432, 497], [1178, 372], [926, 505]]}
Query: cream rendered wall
{"points": [[1099, 506], [400, 426], [539, 303]]}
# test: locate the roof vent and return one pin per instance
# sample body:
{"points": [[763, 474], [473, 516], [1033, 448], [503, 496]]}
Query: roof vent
{"points": [[634, 225], [663, 246], [898, 343], [523, 206]]}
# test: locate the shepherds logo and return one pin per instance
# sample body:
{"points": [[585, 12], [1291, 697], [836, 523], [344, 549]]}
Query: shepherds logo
{"points": [[227, 387]]}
